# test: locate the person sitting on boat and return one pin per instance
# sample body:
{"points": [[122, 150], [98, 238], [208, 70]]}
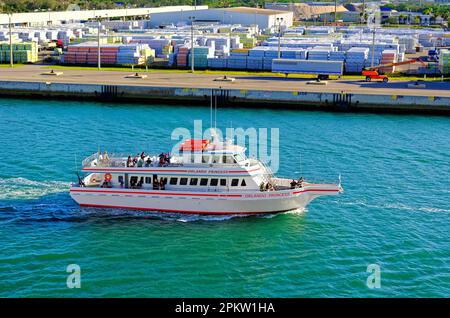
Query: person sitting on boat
{"points": [[143, 155], [300, 182], [155, 184], [162, 159], [168, 158], [105, 157], [293, 184], [148, 162], [129, 162], [262, 187], [162, 185], [140, 163]]}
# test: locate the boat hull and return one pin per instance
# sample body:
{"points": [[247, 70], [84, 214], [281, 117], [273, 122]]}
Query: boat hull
{"points": [[254, 202]]}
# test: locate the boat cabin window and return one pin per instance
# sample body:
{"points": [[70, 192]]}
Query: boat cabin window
{"points": [[120, 179], [193, 181], [173, 181], [203, 182], [243, 184], [223, 182], [133, 180], [148, 180], [214, 182], [216, 159], [234, 182], [239, 157], [228, 159], [183, 181]]}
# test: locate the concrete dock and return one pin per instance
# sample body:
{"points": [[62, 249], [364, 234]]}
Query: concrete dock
{"points": [[246, 90]]}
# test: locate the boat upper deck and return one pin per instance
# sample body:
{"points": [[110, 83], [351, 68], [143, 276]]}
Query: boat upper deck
{"points": [[187, 160]]}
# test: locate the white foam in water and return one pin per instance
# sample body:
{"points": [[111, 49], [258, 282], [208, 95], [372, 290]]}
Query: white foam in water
{"points": [[22, 188], [399, 206]]}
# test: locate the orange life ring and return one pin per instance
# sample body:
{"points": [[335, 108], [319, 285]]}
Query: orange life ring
{"points": [[108, 177]]}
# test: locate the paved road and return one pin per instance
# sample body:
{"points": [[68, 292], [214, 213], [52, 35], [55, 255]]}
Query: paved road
{"points": [[187, 80]]}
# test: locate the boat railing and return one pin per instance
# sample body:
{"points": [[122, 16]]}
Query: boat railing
{"points": [[112, 160], [286, 182]]}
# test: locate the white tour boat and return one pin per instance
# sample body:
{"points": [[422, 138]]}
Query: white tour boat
{"points": [[207, 177]]}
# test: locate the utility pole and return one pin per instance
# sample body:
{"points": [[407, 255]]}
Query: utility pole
{"points": [[363, 20], [231, 29], [192, 18], [11, 61], [373, 47], [279, 20], [335, 13], [99, 61]]}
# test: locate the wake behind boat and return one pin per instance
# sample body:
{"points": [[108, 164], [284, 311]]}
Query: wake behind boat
{"points": [[207, 177]]}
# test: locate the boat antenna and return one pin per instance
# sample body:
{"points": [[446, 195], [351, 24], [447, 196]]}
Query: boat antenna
{"points": [[301, 169], [75, 158]]}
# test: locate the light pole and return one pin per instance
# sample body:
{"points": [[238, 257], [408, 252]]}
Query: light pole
{"points": [[230, 33], [279, 20], [11, 61], [335, 13], [192, 19], [373, 47], [99, 61]]}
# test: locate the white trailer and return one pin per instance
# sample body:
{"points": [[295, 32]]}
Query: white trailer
{"points": [[323, 69]]}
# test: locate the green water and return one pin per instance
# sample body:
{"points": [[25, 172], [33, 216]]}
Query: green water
{"points": [[395, 211]]}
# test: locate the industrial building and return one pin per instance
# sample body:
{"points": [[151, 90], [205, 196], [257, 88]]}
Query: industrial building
{"points": [[58, 17], [305, 11], [264, 18]]}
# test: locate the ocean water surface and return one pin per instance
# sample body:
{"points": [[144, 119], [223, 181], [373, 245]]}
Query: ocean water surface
{"points": [[395, 211]]}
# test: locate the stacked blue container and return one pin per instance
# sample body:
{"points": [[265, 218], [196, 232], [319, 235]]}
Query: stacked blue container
{"points": [[214, 62], [318, 54], [355, 59], [201, 55], [238, 60], [129, 53]]}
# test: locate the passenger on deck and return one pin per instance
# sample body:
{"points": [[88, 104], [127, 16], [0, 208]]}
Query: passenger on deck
{"points": [[162, 185], [162, 159], [105, 156], [129, 162], [293, 184], [140, 163], [300, 182], [143, 155], [262, 187], [148, 162]]}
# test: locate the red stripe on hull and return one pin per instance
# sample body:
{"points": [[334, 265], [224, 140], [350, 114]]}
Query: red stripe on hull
{"points": [[177, 211]]}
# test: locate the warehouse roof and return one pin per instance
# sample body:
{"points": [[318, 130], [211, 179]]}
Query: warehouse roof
{"points": [[255, 10]]}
